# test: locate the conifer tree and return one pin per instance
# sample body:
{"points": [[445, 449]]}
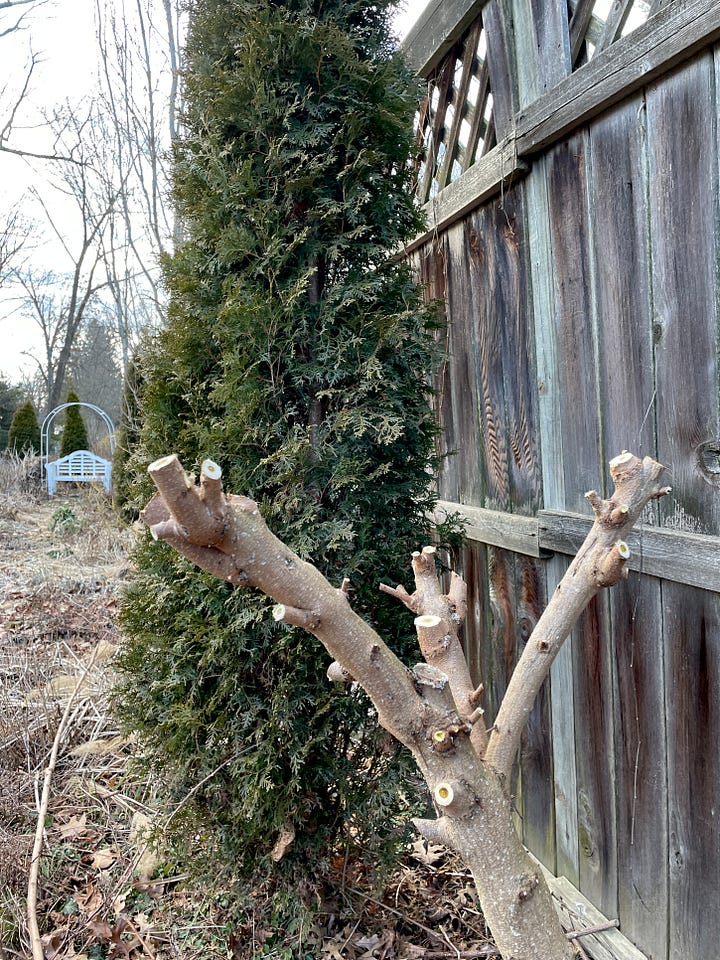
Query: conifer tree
{"points": [[10, 397], [297, 354], [74, 435], [126, 438], [24, 432]]}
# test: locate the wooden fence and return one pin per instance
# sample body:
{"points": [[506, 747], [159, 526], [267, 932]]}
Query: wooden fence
{"points": [[571, 179]]}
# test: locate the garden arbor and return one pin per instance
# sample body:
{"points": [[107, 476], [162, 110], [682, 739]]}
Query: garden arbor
{"points": [[50, 418]]}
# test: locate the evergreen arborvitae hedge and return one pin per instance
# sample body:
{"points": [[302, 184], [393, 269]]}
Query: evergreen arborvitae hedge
{"points": [[126, 437], [74, 435], [24, 432], [297, 355]]}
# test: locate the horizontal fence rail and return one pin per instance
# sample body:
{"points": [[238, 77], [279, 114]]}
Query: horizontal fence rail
{"points": [[675, 555]]}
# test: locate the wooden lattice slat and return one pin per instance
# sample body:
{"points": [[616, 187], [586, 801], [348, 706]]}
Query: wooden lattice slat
{"points": [[454, 123], [596, 24]]}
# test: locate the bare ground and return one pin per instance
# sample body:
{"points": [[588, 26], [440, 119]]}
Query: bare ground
{"points": [[102, 891]]}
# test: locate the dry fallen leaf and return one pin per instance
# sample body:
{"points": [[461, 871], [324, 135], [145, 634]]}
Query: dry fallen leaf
{"points": [[102, 859], [75, 827]]}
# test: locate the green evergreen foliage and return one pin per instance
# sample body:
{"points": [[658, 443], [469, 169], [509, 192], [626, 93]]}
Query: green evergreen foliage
{"points": [[74, 435], [24, 433], [10, 399], [298, 356], [126, 438]]}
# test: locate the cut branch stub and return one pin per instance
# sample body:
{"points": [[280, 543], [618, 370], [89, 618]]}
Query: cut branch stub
{"points": [[186, 505], [433, 635], [599, 563], [211, 492]]}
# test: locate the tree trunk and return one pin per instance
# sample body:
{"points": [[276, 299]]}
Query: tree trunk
{"points": [[432, 709]]}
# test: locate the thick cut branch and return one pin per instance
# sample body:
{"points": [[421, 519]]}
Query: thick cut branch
{"points": [[599, 563], [418, 707], [228, 538]]}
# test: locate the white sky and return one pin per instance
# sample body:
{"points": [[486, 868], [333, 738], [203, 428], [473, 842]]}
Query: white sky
{"points": [[62, 32]]}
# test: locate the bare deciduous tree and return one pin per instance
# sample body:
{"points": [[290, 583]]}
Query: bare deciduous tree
{"points": [[57, 301], [139, 60], [19, 10]]}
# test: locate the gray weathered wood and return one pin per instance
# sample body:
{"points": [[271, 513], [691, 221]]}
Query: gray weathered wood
{"points": [[595, 754], [682, 119], [672, 36], [578, 913], [682, 148], [482, 181], [692, 628], [674, 555], [575, 338], [495, 527], [497, 18], [620, 219], [438, 27], [542, 52]]}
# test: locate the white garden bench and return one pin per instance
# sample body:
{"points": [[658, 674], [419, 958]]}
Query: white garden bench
{"points": [[80, 466]]}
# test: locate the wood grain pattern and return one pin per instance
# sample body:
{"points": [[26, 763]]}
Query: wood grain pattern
{"points": [[497, 18], [635, 687], [674, 35], [692, 629], [464, 398], [577, 409], [595, 755], [561, 700], [682, 119], [578, 413], [494, 527], [511, 303], [668, 554], [584, 303]]}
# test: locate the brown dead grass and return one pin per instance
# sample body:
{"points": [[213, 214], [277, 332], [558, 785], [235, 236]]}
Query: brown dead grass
{"points": [[105, 891]]}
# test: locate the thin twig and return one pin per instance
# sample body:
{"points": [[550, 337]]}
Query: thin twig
{"points": [[431, 933], [37, 947], [576, 943], [598, 928]]}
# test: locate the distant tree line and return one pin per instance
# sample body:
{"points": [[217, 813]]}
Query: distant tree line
{"points": [[20, 429]]}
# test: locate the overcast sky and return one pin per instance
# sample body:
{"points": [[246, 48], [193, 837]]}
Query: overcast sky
{"points": [[62, 34]]}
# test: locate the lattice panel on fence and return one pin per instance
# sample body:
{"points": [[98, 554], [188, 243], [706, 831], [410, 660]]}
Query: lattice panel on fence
{"points": [[455, 121], [596, 24]]}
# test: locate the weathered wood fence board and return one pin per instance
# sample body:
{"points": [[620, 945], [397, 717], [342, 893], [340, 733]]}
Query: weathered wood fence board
{"points": [[578, 262]]}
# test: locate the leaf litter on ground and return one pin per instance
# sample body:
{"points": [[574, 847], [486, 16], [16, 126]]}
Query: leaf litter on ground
{"points": [[102, 892]]}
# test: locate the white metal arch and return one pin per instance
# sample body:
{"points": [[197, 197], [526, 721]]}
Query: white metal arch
{"points": [[47, 422]]}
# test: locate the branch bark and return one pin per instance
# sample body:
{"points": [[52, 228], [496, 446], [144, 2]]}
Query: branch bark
{"points": [[599, 563], [431, 708]]}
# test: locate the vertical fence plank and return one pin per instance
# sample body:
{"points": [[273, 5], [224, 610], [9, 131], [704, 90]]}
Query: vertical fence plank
{"points": [[682, 126], [620, 230], [497, 18], [682, 131], [596, 757], [463, 386], [575, 338], [487, 325], [583, 466], [692, 629], [511, 301], [553, 484]]}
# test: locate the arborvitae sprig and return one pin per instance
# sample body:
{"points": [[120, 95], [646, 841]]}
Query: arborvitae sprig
{"points": [[297, 354]]}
